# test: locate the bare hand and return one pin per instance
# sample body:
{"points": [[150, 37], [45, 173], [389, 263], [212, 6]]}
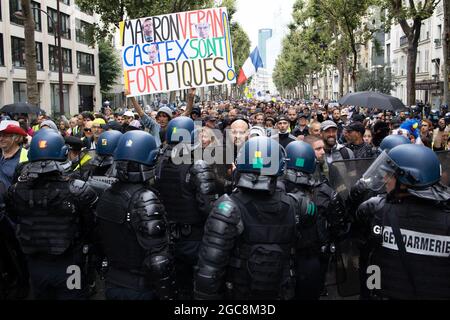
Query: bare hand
{"points": [[192, 91]]}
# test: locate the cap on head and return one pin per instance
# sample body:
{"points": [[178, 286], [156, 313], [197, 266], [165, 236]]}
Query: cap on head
{"points": [[327, 125], [356, 126], [12, 127]]}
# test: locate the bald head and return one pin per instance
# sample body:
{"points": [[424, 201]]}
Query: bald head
{"points": [[239, 132]]}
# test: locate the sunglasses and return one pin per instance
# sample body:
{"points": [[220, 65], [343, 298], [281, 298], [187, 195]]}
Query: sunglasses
{"points": [[87, 130]]}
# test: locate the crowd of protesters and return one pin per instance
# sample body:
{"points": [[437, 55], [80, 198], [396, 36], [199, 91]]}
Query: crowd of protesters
{"points": [[334, 132], [347, 132]]}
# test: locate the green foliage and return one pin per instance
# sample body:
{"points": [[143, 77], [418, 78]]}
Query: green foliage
{"points": [[323, 33], [109, 66], [379, 80], [241, 45]]}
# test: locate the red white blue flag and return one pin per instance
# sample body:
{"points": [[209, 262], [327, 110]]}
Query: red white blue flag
{"points": [[251, 65]]}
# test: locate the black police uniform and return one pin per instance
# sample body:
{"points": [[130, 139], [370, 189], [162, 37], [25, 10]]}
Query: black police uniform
{"points": [[325, 224], [14, 276], [423, 270], [187, 192], [133, 234], [54, 224], [248, 249]]}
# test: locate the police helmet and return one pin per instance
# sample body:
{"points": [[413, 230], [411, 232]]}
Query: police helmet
{"points": [[392, 141], [261, 156], [301, 157], [137, 146], [47, 144], [107, 142], [415, 165], [180, 130]]}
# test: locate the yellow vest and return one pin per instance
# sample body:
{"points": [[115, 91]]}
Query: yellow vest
{"points": [[35, 128], [86, 158], [23, 155]]}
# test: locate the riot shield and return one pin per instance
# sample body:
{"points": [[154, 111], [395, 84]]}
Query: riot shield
{"points": [[444, 158], [343, 174], [344, 266]]}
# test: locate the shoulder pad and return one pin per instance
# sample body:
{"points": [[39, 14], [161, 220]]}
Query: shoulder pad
{"points": [[374, 203], [83, 191], [367, 209], [147, 204], [204, 178], [306, 210], [227, 210], [201, 166]]}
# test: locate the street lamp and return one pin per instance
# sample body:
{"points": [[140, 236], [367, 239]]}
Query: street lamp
{"points": [[56, 30]]}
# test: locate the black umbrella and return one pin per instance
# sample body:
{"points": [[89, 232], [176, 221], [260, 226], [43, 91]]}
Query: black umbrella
{"points": [[20, 107], [372, 99]]}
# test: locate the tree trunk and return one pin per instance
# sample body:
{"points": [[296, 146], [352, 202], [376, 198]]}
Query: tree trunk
{"points": [[325, 84], [30, 53], [341, 78], [411, 74], [355, 64], [346, 84]]}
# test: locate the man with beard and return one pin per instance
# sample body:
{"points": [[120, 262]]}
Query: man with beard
{"points": [[333, 150], [336, 117], [360, 149], [440, 136]]}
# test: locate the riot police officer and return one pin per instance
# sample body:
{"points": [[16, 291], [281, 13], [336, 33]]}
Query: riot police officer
{"points": [[248, 249], [188, 188], [100, 165], [54, 220], [14, 275], [132, 225], [320, 232], [408, 228], [357, 195], [359, 192]]}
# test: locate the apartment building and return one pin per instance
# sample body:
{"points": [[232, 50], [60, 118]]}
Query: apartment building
{"points": [[81, 80]]}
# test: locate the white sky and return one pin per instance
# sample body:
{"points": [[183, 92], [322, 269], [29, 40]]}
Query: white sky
{"points": [[253, 15]]}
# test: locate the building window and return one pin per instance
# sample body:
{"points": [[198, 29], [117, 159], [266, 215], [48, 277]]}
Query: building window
{"points": [[82, 31], [85, 63], [66, 2], [66, 59], [14, 5], [427, 58], [18, 53], [2, 53], [20, 91], [86, 95], [65, 23], [54, 91]]}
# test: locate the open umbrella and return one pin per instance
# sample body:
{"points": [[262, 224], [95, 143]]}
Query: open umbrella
{"points": [[20, 107], [372, 99]]}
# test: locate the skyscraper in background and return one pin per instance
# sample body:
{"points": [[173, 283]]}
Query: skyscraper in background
{"points": [[263, 36]]}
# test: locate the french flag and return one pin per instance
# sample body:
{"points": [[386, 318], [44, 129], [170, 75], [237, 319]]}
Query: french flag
{"points": [[250, 67]]}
